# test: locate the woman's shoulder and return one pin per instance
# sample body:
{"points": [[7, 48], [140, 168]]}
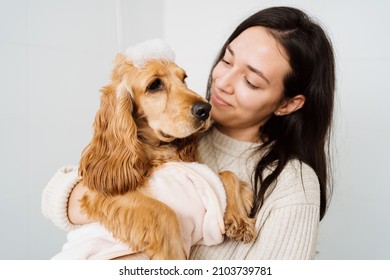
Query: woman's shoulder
{"points": [[297, 170], [297, 184]]}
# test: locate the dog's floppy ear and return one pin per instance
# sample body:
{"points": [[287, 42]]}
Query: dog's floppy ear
{"points": [[113, 163]]}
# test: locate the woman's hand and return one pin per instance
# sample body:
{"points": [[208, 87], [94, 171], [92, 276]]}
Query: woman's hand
{"points": [[75, 215]]}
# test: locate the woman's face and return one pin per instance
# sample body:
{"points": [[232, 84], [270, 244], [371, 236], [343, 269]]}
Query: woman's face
{"points": [[247, 84]]}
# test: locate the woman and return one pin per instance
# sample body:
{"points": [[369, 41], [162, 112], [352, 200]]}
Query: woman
{"points": [[272, 94]]}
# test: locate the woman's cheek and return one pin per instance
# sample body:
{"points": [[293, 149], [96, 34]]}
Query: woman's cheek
{"points": [[245, 99], [217, 71]]}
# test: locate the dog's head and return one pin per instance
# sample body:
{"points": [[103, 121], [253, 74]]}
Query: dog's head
{"points": [[148, 78], [147, 102]]}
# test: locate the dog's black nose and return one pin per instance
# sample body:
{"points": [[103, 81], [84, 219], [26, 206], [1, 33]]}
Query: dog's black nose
{"points": [[201, 110]]}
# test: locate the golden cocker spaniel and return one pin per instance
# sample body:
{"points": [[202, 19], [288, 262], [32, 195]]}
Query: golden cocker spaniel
{"points": [[147, 117]]}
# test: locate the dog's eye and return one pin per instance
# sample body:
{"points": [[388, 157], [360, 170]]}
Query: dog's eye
{"points": [[156, 85]]}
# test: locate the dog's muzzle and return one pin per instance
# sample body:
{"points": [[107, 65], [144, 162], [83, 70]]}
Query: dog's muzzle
{"points": [[201, 110]]}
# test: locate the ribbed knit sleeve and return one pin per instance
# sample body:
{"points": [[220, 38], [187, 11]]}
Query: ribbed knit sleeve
{"points": [[54, 204], [288, 234]]}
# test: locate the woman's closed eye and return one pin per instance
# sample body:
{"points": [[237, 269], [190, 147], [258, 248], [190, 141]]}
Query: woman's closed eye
{"points": [[251, 85], [226, 61]]}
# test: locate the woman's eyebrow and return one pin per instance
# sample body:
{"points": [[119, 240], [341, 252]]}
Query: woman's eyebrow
{"points": [[251, 68], [258, 72], [230, 50]]}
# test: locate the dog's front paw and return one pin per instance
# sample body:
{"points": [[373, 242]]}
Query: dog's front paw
{"points": [[239, 228]]}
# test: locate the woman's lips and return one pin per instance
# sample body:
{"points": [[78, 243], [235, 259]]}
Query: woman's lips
{"points": [[218, 100]]}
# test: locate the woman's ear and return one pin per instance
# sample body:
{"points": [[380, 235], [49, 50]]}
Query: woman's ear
{"points": [[291, 105]]}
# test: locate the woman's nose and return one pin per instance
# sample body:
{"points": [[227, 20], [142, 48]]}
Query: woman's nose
{"points": [[225, 81]]}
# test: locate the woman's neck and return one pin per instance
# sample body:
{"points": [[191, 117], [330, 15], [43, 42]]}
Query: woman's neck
{"points": [[245, 135]]}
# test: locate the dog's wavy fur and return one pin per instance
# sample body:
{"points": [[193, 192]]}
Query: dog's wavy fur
{"points": [[146, 118]]}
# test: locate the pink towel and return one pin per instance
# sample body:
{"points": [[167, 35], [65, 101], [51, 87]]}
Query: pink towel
{"points": [[192, 190]]}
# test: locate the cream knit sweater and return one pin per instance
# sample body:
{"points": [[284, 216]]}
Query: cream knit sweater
{"points": [[287, 223]]}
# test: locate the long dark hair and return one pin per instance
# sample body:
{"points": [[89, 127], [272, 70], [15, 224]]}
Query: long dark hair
{"points": [[304, 134]]}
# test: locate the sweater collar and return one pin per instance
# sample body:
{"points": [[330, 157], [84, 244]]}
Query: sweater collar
{"points": [[230, 145]]}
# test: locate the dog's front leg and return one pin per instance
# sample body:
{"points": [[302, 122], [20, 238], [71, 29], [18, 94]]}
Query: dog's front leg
{"points": [[140, 221], [239, 197]]}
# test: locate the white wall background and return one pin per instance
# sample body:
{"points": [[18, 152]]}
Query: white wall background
{"points": [[55, 55]]}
